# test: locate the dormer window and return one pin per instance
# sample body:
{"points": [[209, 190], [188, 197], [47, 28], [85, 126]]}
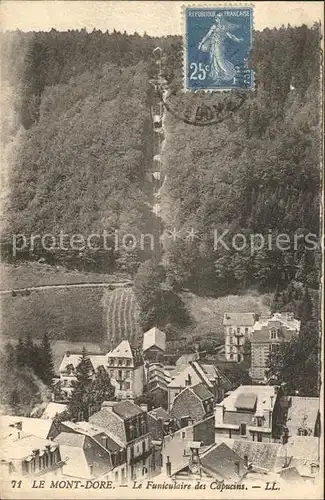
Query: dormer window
{"points": [[274, 334]]}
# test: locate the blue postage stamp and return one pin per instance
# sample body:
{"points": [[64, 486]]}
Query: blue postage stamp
{"points": [[218, 43]]}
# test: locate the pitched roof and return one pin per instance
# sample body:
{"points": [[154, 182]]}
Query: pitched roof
{"points": [[113, 443], [302, 413], [107, 419], [261, 454], [240, 319], [76, 462], [30, 426], [70, 439], [154, 337], [202, 392], [74, 360], [19, 449], [159, 413], [246, 401], [304, 447], [265, 395], [123, 350], [53, 409], [209, 374], [126, 409], [284, 319], [221, 459]]}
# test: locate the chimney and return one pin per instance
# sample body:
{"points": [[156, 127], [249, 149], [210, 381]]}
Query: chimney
{"points": [[105, 441], [144, 407], [19, 427], [237, 468], [219, 412], [246, 461], [36, 451], [168, 467]]}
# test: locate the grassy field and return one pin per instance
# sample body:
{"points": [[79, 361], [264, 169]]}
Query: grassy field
{"points": [[34, 274], [207, 313], [73, 314], [85, 316]]}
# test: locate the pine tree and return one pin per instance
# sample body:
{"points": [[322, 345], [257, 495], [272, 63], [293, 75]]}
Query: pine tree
{"points": [[46, 361], [20, 353], [100, 390], [78, 405], [32, 356], [304, 310]]}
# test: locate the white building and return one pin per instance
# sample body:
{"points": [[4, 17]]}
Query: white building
{"points": [[238, 327], [123, 365], [126, 371]]}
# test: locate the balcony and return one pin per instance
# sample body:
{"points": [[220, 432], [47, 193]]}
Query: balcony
{"points": [[143, 456]]}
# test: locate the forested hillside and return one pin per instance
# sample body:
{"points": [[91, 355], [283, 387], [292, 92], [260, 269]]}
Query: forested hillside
{"points": [[256, 172], [78, 140], [79, 143]]}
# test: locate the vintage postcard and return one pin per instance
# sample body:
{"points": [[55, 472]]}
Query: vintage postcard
{"points": [[161, 250]]}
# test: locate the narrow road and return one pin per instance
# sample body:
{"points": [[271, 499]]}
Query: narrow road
{"points": [[36, 288]]}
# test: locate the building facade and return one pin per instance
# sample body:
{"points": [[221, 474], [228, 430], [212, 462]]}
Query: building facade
{"points": [[129, 423], [238, 327], [268, 334], [250, 413], [123, 364], [154, 345], [126, 371], [195, 373]]}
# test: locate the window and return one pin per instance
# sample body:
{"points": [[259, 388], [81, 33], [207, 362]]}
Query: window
{"points": [[143, 447], [259, 437], [116, 476], [120, 362], [111, 373], [183, 435], [302, 432], [238, 330], [243, 429], [127, 385], [120, 374], [231, 356], [127, 373], [259, 421], [273, 333], [132, 452], [246, 330]]}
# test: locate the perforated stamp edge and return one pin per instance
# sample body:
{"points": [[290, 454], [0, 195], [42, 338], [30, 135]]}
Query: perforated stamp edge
{"points": [[216, 5]]}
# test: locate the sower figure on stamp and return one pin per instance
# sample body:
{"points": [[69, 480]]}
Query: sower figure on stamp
{"points": [[214, 42]]}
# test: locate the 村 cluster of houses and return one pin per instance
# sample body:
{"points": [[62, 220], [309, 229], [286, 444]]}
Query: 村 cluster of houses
{"points": [[197, 426]]}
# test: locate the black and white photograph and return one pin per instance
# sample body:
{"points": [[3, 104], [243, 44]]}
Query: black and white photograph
{"points": [[162, 249]]}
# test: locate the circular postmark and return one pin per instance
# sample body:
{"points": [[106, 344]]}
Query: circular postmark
{"points": [[202, 109]]}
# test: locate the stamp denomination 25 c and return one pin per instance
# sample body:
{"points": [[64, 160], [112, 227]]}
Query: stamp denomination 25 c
{"points": [[217, 48]]}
